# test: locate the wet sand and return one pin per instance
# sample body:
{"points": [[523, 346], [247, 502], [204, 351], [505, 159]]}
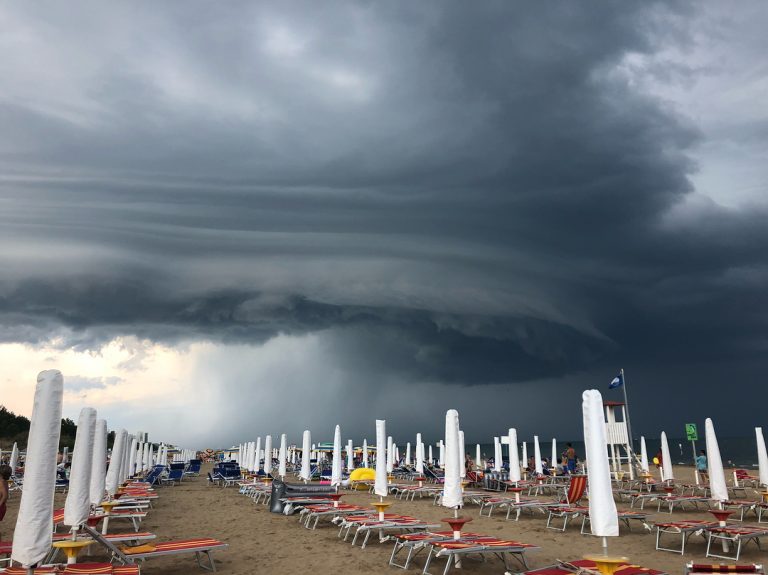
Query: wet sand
{"points": [[262, 542]]}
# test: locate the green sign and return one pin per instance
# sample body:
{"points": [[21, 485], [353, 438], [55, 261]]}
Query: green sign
{"points": [[690, 431]]}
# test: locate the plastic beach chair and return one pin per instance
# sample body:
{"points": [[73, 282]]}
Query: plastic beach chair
{"points": [[130, 555]]}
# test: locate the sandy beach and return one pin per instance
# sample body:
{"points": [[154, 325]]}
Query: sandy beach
{"points": [[261, 542]]}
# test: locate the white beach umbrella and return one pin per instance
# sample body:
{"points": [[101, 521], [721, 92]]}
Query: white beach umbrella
{"points": [[431, 459], [151, 455], [643, 455], [603, 518], [497, 454], [132, 458], [282, 455], [462, 456], [390, 459], [537, 456], [525, 454], [762, 456], [65, 455], [99, 463], [145, 457], [256, 465], [14, 461], [666, 464], [380, 485], [408, 453], [350, 455], [365, 453], [306, 441], [77, 506], [34, 530], [419, 455], [452, 496], [478, 458], [717, 486], [268, 455], [553, 461], [441, 460], [514, 460], [396, 458], [113, 473], [336, 460]]}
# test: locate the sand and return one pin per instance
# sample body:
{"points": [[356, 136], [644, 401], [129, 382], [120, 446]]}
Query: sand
{"points": [[262, 542]]}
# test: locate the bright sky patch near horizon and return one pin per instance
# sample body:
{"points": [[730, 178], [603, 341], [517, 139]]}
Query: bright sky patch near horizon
{"points": [[223, 221]]}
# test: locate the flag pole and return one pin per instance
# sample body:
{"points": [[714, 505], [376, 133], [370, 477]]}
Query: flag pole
{"points": [[626, 408]]}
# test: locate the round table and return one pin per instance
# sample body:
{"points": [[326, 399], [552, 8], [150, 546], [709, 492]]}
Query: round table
{"points": [[456, 524], [72, 547]]}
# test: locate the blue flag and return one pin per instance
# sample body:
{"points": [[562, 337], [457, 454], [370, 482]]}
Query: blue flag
{"points": [[617, 381]]}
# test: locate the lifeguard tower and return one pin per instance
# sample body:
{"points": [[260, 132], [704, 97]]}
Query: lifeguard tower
{"points": [[617, 438]]}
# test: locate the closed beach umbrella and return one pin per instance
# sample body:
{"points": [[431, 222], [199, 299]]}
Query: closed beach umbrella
{"points": [[441, 461], [99, 463], [408, 453], [537, 456], [478, 459], [452, 496], [497, 456], [113, 473], [419, 455], [525, 454], [132, 458], [514, 462], [34, 529], [145, 457], [14, 462], [268, 455], [282, 455], [717, 486], [553, 461], [256, 464], [65, 455], [306, 441], [365, 453], [336, 461], [762, 456], [462, 457], [603, 518], [643, 455], [666, 466], [350, 455], [431, 459], [390, 458], [77, 507], [380, 485]]}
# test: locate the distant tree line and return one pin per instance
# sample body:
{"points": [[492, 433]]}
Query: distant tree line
{"points": [[15, 428]]}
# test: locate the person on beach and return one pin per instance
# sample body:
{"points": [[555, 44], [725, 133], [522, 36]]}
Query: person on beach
{"points": [[658, 460], [570, 455], [5, 475], [701, 465]]}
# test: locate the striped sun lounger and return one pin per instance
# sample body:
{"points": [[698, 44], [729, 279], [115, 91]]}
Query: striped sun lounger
{"points": [[738, 535], [452, 550], [566, 568], [684, 528], [77, 569]]}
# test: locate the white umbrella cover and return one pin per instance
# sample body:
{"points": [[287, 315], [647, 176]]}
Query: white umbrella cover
{"points": [[390, 455], [514, 461], [553, 462], [132, 458], [419, 455], [478, 458], [306, 441], [717, 486], [408, 453], [497, 454], [380, 485], [365, 453], [77, 507], [256, 464], [99, 463], [336, 461], [113, 473], [452, 496], [462, 457], [268, 455], [441, 460], [282, 456], [350, 455], [14, 462], [431, 459], [603, 518], [34, 530], [525, 454], [762, 456], [643, 455], [537, 456], [666, 463]]}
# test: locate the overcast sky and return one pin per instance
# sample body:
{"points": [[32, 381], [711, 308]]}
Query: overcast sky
{"points": [[226, 220]]}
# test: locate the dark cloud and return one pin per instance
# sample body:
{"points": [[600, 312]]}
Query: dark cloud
{"points": [[448, 195]]}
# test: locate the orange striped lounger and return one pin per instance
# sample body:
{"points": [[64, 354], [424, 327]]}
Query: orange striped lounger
{"points": [[454, 549], [77, 569]]}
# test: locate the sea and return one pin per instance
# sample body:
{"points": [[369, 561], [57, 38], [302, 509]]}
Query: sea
{"points": [[735, 451]]}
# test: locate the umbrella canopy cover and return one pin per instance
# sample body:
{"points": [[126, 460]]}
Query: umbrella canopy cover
{"points": [[514, 462], [380, 485], [717, 486], [34, 531], [306, 441], [643, 455], [452, 495], [336, 462], [77, 507], [666, 464], [603, 519], [762, 456]]}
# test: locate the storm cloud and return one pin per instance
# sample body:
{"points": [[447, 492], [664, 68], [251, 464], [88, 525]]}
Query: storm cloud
{"points": [[475, 197]]}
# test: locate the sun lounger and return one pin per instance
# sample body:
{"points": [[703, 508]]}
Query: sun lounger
{"points": [[414, 543], [130, 555], [453, 550], [683, 528], [77, 569], [716, 569], [680, 501], [318, 511], [389, 526], [625, 517], [587, 566], [738, 535]]}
